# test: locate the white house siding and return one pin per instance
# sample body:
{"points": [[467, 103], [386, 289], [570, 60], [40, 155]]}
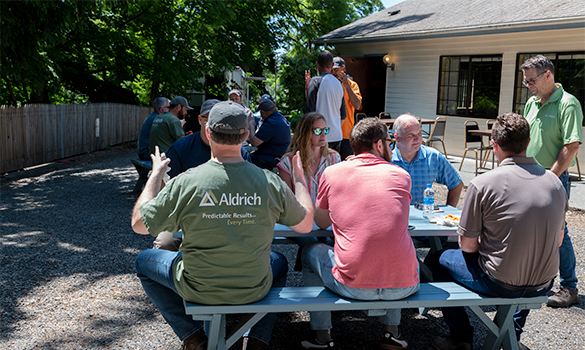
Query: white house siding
{"points": [[412, 86]]}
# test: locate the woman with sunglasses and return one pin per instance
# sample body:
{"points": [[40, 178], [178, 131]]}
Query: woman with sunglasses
{"points": [[310, 139]]}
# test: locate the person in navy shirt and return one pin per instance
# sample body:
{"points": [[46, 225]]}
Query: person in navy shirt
{"points": [[193, 150], [272, 138]]}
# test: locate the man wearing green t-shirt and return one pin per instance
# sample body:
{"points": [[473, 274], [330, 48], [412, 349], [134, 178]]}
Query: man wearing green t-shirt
{"points": [[555, 119], [227, 209], [167, 127]]}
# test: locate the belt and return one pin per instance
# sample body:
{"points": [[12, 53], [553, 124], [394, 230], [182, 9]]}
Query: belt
{"points": [[517, 288]]}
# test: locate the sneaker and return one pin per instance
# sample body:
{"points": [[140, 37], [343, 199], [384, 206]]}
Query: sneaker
{"points": [[441, 343], [313, 343], [196, 341], [391, 342], [563, 298]]}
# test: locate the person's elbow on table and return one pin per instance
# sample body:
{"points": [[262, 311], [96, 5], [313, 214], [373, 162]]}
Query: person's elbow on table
{"points": [[306, 225]]}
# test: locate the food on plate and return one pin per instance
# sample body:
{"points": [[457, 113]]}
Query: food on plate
{"points": [[451, 220]]}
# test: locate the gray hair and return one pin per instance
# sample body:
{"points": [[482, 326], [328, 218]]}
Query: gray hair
{"points": [[540, 63], [398, 125], [159, 103]]}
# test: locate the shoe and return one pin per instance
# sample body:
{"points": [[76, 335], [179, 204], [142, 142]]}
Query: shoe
{"points": [[441, 343], [391, 342], [196, 341], [563, 298], [253, 344], [313, 343]]}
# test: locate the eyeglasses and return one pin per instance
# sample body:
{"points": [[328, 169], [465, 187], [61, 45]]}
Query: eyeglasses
{"points": [[391, 141], [532, 81], [318, 131]]}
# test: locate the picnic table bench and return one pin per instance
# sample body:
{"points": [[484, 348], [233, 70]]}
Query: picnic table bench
{"points": [[143, 167], [431, 295]]}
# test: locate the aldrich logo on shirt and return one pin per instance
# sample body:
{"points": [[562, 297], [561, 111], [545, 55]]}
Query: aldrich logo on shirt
{"points": [[230, 199]]}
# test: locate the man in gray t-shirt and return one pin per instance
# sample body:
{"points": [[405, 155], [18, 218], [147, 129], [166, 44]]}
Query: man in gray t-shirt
{"points": [[510, 230]]}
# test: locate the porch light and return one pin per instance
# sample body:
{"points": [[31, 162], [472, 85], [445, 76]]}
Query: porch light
{"points": [[388, 61]]}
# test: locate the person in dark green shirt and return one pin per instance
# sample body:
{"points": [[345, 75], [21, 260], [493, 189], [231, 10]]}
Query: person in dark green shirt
{"points": [[226, 209], [167, 127]]}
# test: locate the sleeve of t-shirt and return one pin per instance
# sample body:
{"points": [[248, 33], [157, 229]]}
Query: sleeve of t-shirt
{"points": [[266, 132], [323, 193], [447, 175], [175, 128], [471, 215], [161, 214], [571, 121], [293, 212], [311, 105]]}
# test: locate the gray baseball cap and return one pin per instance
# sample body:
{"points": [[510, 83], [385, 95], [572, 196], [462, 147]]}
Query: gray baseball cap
{"points": [[266, 105], [228, 117], [180, 100], [208, 105], [338, 62]]}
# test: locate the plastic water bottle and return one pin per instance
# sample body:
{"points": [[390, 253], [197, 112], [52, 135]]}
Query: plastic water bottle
{"points": [[429, 202]]}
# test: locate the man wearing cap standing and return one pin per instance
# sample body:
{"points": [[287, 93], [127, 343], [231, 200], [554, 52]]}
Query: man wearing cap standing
{"points": [[167, 128], [160, 105], [272, 138], [353, 102], [225, 257], [325, 96]]}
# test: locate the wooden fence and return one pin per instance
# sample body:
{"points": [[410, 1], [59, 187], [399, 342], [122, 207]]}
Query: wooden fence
{"points": [[37, 134]]}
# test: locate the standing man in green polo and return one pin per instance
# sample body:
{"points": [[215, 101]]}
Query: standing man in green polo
{"points": [[555, 119]]}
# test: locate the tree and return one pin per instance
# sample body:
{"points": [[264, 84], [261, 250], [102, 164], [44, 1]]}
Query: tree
{"points": [[66, 51]]}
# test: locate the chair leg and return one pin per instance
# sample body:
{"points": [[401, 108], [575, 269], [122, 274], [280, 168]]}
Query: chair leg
{"points": [[462, 159], [578, 169], [444, 149], [476, 163]]}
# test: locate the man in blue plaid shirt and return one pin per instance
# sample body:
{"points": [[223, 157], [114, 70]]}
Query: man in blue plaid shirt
{"points": [[424, 164]]}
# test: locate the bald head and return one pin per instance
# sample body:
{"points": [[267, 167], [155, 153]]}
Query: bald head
{"points": [[403, 122], [408, 135]]}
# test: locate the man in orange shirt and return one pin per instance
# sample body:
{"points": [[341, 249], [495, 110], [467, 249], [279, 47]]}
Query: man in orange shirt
{"points": [[353, 101]]}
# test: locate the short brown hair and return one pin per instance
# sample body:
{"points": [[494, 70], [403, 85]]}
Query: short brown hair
{"points": [[540, 63], [511, 132], [365, 133], [227, 139]]}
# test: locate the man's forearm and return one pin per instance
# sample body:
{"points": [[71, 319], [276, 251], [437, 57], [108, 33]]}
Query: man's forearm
{"points": [[566, 155], [151, 190], [453, 195], [353, 98]]}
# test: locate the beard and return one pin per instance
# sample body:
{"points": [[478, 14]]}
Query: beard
{"points": [[387, 154]]}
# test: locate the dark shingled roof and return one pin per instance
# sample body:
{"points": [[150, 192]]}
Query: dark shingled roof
{"points": [[435, 17]]}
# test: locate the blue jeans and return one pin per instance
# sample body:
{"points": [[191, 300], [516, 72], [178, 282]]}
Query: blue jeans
{"points": [[566, 252], [318, 260], [154, 268], [463, 268]]}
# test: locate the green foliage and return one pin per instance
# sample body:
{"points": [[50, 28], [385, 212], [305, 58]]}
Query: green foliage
{"points": [[294, 118], [132, 51]]}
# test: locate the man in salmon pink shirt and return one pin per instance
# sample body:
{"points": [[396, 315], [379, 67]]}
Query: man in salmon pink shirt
{"points": [[366, 199]]}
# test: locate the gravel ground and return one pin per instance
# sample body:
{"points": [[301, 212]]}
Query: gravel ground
{"points": [[68, 281]]}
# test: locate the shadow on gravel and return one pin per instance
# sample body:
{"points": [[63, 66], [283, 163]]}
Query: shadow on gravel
{"points": [[73, 220]]}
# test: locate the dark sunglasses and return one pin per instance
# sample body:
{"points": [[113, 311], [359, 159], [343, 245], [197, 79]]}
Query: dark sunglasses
{"points": [[318, 131]]}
